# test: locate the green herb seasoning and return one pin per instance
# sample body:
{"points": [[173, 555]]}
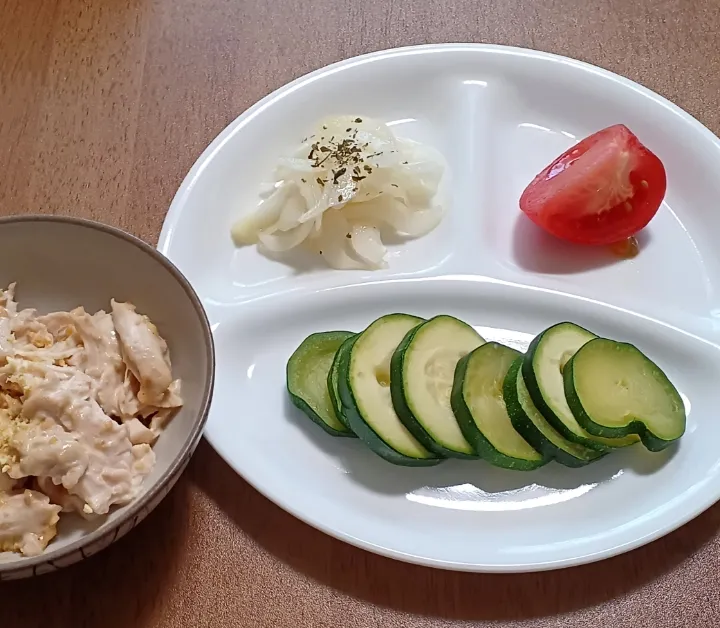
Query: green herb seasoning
{"points": [[338, 173], [341, 153]]}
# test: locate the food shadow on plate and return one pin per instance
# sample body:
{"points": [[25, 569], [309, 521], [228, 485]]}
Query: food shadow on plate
{"points": [[301, 261], [337, 447], [536, 251], [377, 475]]}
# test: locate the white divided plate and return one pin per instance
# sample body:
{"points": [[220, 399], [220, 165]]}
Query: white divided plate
{"points": [[499, 115]]}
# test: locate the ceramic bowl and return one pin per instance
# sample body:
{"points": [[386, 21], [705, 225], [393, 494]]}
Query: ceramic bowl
{"points": [[61, 263]]}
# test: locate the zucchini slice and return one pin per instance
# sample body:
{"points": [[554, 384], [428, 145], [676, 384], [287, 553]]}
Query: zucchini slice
{"points": [[421, 380], [332, 381], [534, 428], [542, 371], [364, 388], [477, 400], [615, 390], [307, 376]]}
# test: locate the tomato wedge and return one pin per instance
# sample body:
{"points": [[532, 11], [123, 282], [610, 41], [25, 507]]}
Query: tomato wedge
{"points": [[601, 191]]}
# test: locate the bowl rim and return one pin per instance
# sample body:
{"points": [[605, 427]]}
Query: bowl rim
{"points": [[193, 438]]}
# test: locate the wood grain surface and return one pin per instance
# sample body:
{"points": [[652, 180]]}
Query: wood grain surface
{"points": [[105, 105]]}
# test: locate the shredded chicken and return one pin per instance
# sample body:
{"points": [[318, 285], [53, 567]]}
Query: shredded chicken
{"points": [[102, 361], [44, 449], [139, 433], [60, 496], [145, 352], [27, 522], [82, 399]]}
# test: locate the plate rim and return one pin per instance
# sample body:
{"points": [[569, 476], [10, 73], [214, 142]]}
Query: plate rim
{"points": [[180, 198]]}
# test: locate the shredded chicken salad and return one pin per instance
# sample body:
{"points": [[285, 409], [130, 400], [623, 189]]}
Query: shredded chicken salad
{"points": [[82, 399], [349, 182]]}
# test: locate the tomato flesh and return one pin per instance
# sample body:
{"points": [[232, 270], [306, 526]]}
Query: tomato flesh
{"points": [[603, 190]]}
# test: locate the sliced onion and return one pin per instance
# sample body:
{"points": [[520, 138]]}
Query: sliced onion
{"points": [[246, 230], [413, 224], [334, 243], [286, 240], [342, 207], [367, 244], [292, 210], [322, 204], [395, 214], [288, 165]]}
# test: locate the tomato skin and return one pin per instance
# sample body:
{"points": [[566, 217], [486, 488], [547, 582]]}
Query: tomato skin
{"points": [[603, 190]]}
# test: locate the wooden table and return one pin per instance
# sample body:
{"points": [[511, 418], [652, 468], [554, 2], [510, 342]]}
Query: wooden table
{"points": [[105, 105]]}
